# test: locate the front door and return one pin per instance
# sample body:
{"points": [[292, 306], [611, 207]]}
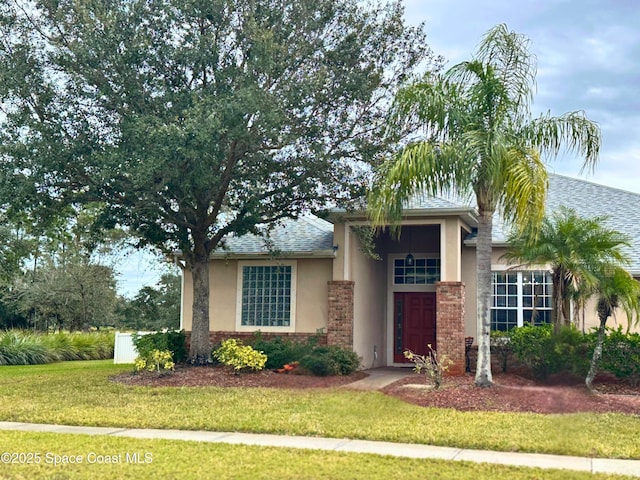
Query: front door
{"points": [[415, 323]]}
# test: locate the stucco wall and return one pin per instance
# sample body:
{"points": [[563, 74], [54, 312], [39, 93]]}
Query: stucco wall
{"points": [[369, 306], [312, 276], [452, 261], [469, 279]]}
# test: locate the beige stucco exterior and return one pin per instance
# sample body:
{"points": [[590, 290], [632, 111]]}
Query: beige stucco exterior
{"points": [[311, 277], [374, 288], [369, 306], [373, 285]]}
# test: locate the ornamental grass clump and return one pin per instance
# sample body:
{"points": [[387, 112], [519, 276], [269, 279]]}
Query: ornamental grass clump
{"points": [[19, 347], [234, 353]]}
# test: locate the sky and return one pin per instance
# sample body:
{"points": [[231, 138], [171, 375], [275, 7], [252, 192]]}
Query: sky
{"points": [[588, 55], [136, 269]]}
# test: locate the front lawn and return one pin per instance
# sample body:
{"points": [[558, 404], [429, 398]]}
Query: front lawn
{"points": [[80, 393], [152, 459]]}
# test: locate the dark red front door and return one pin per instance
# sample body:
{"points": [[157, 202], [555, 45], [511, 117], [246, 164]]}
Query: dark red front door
{"points": [[415, 323]]}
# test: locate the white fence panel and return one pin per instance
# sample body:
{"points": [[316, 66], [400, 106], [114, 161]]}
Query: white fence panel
{"points": [[124, 350]]}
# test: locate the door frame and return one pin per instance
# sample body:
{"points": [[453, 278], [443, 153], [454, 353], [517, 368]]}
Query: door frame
{"points": [[399, 324], [392, 289]]}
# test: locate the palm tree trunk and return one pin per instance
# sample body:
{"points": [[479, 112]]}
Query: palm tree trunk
{"points": [[597, 353], [483, 267], [558, 294]]}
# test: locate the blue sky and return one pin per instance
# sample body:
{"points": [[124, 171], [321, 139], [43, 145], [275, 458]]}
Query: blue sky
{"points": [[588, 56]]}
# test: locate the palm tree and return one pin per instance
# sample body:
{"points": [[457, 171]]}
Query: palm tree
{"points": [[616, 289], [480, 138], [573, 248]]}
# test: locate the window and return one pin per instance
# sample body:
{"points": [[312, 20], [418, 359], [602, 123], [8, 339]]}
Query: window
{"points": [[424, 271], [267, 296], [520, 297]]}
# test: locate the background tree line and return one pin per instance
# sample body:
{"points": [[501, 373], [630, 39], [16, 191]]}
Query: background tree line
{"points": [[62, 276]]}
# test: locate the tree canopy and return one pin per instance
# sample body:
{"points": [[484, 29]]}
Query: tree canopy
{"points": [[192, 119]]}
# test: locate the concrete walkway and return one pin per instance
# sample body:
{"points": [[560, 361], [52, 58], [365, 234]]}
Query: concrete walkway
{"points": [[378, 378], [593, 465]]}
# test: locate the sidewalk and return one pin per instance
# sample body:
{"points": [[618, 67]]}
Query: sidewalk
{"points": [[593, 465], [380, 377]]}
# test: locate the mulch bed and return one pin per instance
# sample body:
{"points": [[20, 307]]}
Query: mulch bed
{"points": [[217, 376], [517, 393], [512, 392]]}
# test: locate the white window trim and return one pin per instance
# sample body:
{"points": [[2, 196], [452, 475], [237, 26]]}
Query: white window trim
{"points": [[416, 257], [252, 328], [520, 293]]}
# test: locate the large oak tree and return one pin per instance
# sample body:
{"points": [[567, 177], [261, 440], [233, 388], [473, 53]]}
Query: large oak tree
{"points": [[196, 119]]}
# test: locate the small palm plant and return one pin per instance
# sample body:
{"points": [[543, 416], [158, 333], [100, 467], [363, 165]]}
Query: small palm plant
{"points": [[616, 289]]}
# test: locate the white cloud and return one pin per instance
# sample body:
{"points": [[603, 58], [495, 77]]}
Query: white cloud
{"points": [[587, 52]]}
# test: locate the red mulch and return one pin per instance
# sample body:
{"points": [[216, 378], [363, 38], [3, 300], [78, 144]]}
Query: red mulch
{"points": [[210, 376], [512, 392], [516, 393]]}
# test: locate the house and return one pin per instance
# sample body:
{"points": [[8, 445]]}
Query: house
{"points": [[316, 279]]}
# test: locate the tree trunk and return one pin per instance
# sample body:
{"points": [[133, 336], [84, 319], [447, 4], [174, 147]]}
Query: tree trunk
{"points": [[597, 353], [483, 267], [566, 312], [558, 294], [200, 348]]}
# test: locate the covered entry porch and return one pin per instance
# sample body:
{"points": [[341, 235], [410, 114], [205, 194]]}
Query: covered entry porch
{"points": [[407, 297]]}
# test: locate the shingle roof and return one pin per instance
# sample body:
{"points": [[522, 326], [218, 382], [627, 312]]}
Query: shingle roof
{"points": [[309, 233], [423, 201], [589, 200], [305, 235]]}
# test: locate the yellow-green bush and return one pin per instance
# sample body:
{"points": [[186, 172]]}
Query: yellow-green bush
{"points": [[160, 361], [233, 353]]}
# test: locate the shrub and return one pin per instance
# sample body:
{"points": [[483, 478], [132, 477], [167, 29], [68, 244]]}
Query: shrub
{"points": [[171, 340], [233, 353], [330, 360], [280, 351], [621, 355], [433, 367], [532, 345], [159, 361], [545, 353], [317, 359], [572, 351], [501, 346]]}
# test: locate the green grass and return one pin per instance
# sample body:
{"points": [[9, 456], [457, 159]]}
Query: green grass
{"points": [[20, 347], [195, 460], [80, 393]]}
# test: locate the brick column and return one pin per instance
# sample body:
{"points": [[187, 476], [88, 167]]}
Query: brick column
{"points": [[340, 313], [450, 324]]}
